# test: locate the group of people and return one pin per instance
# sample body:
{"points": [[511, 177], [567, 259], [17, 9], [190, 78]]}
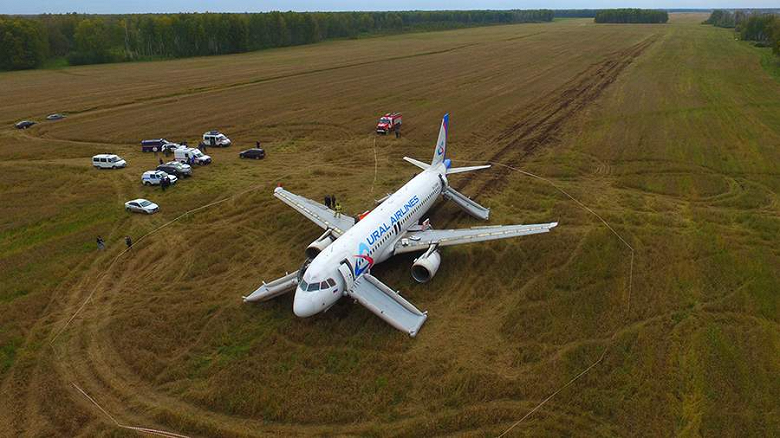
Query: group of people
{"points": [[331, 202], [165, 182], [101, 244]]}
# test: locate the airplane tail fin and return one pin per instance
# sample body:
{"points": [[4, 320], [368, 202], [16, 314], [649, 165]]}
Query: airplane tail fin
{"points": [[441, 143]]}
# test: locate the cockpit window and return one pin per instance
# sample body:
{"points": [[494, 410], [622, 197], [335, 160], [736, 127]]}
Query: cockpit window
{"points": [[324, 285], [303, 285], [331, 282], [313, 287]]}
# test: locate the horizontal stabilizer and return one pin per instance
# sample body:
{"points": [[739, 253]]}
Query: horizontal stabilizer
{"points": [[387, 304], [466, 169], [273, 289], [417, 163], [466, 204]]}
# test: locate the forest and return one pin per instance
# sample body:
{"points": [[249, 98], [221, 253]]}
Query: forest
{"points": [[760, 27], [631, 16], [576, 13], [29, 42]]}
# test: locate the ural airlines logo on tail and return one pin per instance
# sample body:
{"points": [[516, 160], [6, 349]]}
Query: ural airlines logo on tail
{"points": [[443, 138], [441, 143]]}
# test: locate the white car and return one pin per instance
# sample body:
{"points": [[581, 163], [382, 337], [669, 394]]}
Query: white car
{"points": [[108, 161], [155, 177], [141, 206]]}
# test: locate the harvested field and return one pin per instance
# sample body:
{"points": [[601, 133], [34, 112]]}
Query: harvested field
{"points": [[668, 132]]}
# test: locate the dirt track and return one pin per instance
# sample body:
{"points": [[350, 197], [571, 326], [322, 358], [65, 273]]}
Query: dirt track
{"points": [[542, 123]]}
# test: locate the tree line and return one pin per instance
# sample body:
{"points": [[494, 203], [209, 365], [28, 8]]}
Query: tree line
{"points": [[761, 27], [631, 16], [27, 42], [576, 13]]}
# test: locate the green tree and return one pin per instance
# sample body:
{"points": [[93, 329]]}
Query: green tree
{"points": [[23, 44]]}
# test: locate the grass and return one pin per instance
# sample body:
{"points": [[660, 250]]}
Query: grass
{"points": [[770, 62], [668, 132]]}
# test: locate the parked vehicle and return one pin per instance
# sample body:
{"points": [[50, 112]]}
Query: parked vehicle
{"points": [[24, 124], [155, 177], [141, 205], [154, 145], [176, 168], [108, 161], [55, 116], [388, 123], [256, 153], [216, 139], [183, 155]]}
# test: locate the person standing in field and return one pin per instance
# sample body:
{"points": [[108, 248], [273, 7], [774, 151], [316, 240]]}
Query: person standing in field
{"points": [[398, 131], [129, 242], [100, 243], [327, 201], [333, 200], [338, 209], [161, 161]]}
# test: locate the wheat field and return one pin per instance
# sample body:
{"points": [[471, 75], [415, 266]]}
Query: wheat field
{"points": [[670, 133]]}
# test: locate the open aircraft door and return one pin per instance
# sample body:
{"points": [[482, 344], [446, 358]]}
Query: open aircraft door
{"points": [[348, 274]]}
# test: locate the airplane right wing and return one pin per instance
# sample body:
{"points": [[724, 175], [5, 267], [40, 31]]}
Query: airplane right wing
{"points": [[316, 212], [422, 240], [387, 304]]}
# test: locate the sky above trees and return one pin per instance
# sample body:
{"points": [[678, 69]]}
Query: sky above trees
{"points": [[142, 6]]}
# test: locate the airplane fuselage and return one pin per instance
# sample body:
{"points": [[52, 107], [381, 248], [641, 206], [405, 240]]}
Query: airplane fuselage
{"points": [[370, 241]]}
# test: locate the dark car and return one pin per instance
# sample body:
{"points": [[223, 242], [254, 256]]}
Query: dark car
{"points": [[24, 124], [256, 153], [154, 145], [176, 168]]}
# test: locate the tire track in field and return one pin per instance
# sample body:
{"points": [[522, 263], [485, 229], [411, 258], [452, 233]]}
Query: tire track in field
{"points": [[217, 88], [542, 124]]}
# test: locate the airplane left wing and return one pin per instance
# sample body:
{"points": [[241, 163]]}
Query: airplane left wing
{"points": [[316, 212], [422, 240]]}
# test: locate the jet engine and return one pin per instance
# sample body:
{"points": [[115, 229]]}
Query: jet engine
{"points": [[425, 266], [318, 245]]}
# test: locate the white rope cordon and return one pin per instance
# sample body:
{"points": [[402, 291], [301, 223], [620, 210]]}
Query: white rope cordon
{"points": [[145, 430], [582, 373], [527, 415], [376, 168], [105, 272], [630, 285]]}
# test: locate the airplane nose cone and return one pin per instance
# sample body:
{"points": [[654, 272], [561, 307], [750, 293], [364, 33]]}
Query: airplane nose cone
{"points": [[302, 307]]}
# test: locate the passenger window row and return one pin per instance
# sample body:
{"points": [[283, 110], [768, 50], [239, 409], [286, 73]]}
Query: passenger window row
{"points": [[414, 210]]}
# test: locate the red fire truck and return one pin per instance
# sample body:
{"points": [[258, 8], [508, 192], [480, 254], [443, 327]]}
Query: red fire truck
{"points": [[388, 123]]}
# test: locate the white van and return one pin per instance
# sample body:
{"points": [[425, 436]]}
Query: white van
{"points": [[216, 138], [108, 161], [183, 155]]}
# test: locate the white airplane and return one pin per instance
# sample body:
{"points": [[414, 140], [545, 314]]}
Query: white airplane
{"points": [[339, 262]]}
